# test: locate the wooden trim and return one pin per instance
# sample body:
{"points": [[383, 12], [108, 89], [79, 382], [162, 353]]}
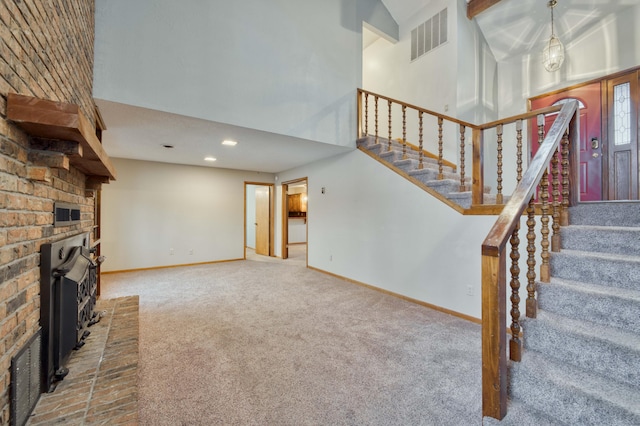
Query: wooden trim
{"points": [[494, 337], [604, 136], [99, 120], [476, 7], [428, 154], [586, 83], [488, 209], [484, 209], [59, 120], [400, 296], [285, 215], [272, 213], [154, 268], [52, 159], [284, 250], [477, 167], [523, 116]]}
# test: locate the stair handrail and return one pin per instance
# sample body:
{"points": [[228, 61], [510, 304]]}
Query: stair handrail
{"points": [[494, 272], [407, 105]]}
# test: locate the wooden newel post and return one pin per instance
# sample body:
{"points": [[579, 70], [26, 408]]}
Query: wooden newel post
{"points": [[494, 334], [477, 171]]}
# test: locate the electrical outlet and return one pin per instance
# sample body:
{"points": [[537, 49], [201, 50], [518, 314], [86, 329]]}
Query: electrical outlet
{"points": [[171, 251], [190, 251], [330, 257], [469, 290]]}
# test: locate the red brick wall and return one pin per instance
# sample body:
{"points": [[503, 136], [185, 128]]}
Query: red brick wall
{"points": [[46, 51]]}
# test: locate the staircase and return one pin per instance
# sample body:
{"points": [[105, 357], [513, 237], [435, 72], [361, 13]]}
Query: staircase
{"points": [[581, 358], [449, 187]]}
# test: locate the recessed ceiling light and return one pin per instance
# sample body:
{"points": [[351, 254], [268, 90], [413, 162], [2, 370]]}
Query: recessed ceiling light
{"points": [[229, 143], [210, 158]]}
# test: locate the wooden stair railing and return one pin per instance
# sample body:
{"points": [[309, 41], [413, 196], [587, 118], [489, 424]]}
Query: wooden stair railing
{"points": [[419, 115], [562, 137], [456, 140], [481, 132]]}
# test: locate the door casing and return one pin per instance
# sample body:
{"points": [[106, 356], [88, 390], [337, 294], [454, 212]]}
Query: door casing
{"points": [[271, 187]]}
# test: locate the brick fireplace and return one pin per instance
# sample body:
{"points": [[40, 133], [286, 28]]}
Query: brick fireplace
{"points": [[47, 53]]}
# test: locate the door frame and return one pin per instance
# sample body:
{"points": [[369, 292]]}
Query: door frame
{"points": [[285, 216], [633, 77], [271, 187]]}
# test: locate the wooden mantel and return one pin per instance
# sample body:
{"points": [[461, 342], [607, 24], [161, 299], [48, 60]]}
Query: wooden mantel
{"points": [[62, 121]]}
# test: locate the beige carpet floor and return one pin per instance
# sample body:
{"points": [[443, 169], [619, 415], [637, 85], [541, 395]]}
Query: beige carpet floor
{"points": [[264, 342]]}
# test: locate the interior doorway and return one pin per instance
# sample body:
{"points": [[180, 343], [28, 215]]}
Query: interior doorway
{"points": [[589, 100], [609, 137], [294, 219], [258, 218]]}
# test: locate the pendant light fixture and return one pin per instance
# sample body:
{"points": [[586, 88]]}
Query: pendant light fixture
{"points": [[553, 53]]}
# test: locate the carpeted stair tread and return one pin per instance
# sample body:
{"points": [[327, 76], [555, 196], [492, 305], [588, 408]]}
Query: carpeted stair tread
{"points": [[610, 213], [519, 414], [611, 306], [408, 162], [573, 395], [606, 239], [615, 270], [611, 352]]}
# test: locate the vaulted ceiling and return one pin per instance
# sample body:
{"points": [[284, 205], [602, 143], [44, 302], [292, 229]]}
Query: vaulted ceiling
{"points": [[515, 27]]}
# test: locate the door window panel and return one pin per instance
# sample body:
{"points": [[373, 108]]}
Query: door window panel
{"points": [[622, 114]]}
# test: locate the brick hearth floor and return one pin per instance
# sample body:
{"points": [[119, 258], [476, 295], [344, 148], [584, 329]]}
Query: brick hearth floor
{"points": [[102, 385]]}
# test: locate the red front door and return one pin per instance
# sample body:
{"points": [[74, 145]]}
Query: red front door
{"points": [[590, 101]]}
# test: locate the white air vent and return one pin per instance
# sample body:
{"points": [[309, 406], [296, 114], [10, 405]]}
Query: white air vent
{"points": [[429, 35]]}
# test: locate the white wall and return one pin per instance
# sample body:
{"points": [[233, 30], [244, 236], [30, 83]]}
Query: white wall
{"points": [[612, 45], [456, 79], [297, 230], [375, 227], [287, 67], [155, 207]]}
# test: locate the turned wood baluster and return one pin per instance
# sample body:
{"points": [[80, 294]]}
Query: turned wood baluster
{"points": [[531, 304], [462, 184], [499, 199], [440, 148], [366, 114], [404, 132], [519, 150], [545, 273], [515, 344], [389, 149], [540, 129], [564, 215], [420, 155], [555, 203], [376, 108]]}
